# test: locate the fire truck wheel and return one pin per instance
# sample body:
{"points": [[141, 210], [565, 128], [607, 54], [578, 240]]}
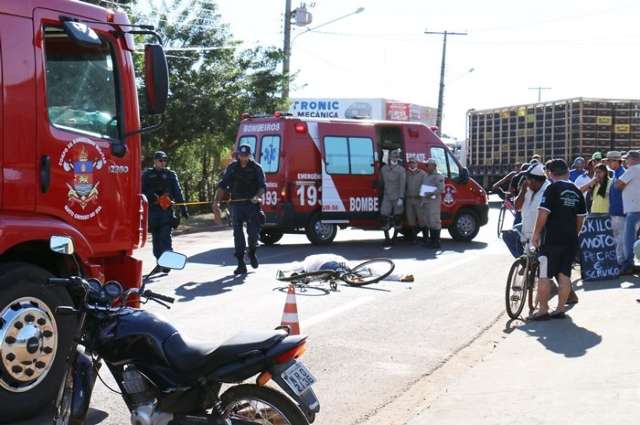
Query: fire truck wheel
{"points": [[320, 233], [270, 237], [465, 226], [33, 341]]}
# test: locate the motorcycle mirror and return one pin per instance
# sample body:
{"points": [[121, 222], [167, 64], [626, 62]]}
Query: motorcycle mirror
{"points": [[61, 245], [172, 260]]}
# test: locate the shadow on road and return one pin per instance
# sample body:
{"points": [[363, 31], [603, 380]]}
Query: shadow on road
{"points": [[562, 336], [192, 290], [352, 250]]}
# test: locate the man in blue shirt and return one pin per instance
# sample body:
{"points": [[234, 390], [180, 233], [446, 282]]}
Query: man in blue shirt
{"points": [[614, 162], [578, 169]]}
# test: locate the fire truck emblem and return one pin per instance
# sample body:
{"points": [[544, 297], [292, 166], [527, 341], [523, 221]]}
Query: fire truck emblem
{"points": [[449, 195], [81, 158]]}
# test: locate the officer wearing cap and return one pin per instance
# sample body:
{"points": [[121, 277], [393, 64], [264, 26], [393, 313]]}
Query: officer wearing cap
{"points": [[415, 203], [432, 204], [244, 181], [161, 187], [394, 179]]}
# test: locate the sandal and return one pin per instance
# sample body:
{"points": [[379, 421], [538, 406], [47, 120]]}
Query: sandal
{"points": [[539, 317]]}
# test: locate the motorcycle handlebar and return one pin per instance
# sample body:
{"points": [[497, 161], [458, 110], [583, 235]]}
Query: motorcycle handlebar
{"points": [[150, 294], [58, 281]]}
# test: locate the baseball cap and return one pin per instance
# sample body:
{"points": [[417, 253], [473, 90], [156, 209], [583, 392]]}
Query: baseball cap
{"points": [[536, 170], [244, 150], [614, 156], [160, 155], [597, 156]]}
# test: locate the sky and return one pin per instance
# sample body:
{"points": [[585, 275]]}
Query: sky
{"points": [[579, 48]]}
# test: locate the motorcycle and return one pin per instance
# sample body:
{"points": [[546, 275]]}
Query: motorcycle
{"points": [[166, 379]]}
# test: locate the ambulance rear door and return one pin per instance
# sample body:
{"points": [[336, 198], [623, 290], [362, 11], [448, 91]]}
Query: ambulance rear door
{"points": [[349, 171]]}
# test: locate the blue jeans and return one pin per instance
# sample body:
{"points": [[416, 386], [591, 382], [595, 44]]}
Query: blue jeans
{"points": [[631, 221], [511, 238]]}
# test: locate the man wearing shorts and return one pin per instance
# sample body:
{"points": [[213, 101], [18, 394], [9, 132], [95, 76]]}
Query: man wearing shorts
{"points": [[560, 218]]}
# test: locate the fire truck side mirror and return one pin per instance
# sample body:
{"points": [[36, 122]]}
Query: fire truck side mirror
{"points": [[156, 75], [61, 245], [81, 34]]}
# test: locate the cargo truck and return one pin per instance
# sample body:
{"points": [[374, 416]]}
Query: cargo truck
{"points": [[70, 166]]}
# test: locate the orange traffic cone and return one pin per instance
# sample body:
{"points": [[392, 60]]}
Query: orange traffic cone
{"points": [[290, 313]]}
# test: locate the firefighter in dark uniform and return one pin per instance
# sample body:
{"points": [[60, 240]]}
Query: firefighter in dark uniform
{"points": [[160, 186], [244, 181]]}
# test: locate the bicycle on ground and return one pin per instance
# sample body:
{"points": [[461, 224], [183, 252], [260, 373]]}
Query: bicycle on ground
{"points": [[365, 273], [522, 283]]}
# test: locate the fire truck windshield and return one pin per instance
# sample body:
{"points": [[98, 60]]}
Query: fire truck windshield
{"points": [[81, 86]]}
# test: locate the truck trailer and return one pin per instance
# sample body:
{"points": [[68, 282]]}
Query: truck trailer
{"points": [[501, 139]]}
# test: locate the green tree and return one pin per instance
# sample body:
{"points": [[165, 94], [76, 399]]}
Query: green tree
{"points": [[209, 88]]}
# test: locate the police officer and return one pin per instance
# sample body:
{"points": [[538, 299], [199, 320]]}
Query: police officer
{"points": [[416, 178], [394, 185], [432, 204], [161, 187], [245, 182]]}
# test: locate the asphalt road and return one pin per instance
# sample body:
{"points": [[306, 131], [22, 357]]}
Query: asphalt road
{"points": [[367, 346]]}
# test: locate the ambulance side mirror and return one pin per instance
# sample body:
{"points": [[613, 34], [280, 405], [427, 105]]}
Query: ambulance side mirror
{"points": [[464, 176]]}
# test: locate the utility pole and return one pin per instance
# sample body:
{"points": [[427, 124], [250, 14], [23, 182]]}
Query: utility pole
{"points": [[539, 89], [287, 49], [442, 67]]}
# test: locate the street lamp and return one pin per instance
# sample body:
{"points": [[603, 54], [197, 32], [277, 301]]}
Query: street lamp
{"points": [[286, 63]]}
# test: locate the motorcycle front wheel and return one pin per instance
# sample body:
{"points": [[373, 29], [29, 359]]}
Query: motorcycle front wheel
{"points": [[261, 405]]}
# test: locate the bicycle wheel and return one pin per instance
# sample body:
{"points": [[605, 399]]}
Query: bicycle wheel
{"points": [[370, 271], [308, 277], [501, 215], [532, 287], [515, 292]]}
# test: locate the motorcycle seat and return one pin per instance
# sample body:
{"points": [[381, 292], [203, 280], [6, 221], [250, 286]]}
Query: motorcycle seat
{"points": [[198, 358]]}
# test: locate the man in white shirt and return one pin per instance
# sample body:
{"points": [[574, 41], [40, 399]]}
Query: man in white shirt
{"points": [[629, 183], [529, 198]]}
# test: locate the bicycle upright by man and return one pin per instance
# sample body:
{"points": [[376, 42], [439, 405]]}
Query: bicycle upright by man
{"points": [[560, 219]]}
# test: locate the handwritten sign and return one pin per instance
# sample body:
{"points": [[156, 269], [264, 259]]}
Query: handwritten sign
{"points": [[598, 259]]}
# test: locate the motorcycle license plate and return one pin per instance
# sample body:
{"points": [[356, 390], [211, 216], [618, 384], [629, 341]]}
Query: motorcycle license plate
{"points": [[298, 378]]}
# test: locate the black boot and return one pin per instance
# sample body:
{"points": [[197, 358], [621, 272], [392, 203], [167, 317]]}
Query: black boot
{"points": [[435, 238], [425, 237], [242, 267], [394, 238], [253, 259], [411, 235], [387, 239]]}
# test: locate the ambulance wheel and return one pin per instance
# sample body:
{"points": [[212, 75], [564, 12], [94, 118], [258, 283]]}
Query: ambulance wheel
{"points": [[270, 237], [465, 226], [320, 233], [33, 341]]}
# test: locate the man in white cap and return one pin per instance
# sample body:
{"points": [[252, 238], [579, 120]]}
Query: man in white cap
{"points": [[529, 198], [433, 198], [394, 178]]}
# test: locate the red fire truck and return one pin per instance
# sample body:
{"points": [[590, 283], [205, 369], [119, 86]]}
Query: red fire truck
{"points": [[325, 174], [69, 166]]}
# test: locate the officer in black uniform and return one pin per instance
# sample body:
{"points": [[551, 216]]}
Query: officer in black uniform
{"points": [[160, 185], [245, 182]]}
